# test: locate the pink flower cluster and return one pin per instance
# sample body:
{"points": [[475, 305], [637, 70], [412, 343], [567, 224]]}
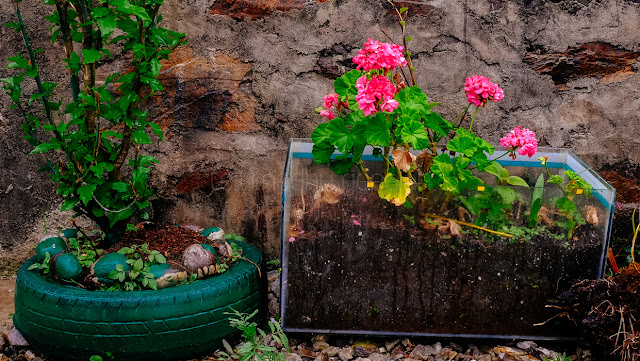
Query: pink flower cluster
{"points": [[521, 139], [371, 92], [479, 89], [329, 101], [376, 55]]}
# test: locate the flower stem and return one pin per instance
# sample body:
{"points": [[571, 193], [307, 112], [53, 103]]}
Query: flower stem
{"points": [[363, 172], [385, 169], [507, 152], [546, 167], [473, 118], [459, 118]]}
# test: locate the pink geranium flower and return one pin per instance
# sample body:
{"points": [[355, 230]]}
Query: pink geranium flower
{"points": [[330, 100], [376, 55], [479, 89], [377, 90], [327, 113], [521, 139]]}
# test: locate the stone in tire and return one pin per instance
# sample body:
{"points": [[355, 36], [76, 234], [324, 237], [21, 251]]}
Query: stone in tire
{"points": [[69, 323]]}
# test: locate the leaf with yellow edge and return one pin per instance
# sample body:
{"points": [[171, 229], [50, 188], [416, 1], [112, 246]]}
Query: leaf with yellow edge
{"points": [[394, 190]]}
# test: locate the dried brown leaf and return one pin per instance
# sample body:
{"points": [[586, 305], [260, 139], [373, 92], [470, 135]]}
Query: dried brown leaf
{"points": [[455, 229], [544, 215], [403, 159], [328, 193], [591, 215]]}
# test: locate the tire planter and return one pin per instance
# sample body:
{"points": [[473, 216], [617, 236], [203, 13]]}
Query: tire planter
{"points": [[66, 322]]}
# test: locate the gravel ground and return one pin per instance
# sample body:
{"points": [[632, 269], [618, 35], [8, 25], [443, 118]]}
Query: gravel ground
{"points": [[339, 348]]}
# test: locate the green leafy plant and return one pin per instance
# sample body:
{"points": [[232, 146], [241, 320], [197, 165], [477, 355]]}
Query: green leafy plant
{"points": [[236, 253], [140, 258], [254, 346], [490, 206], [85, 250], [44, 266], [97, 130], [565, 205], [230, 237]]}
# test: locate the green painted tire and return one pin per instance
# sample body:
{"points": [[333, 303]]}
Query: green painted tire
{"points": [[66, 322]]}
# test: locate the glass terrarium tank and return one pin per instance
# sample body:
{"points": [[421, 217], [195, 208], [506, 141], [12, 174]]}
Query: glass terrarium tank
{"points": [[483, 263]]}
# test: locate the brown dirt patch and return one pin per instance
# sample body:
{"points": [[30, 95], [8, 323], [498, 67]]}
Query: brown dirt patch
{"points": [[7, 292], [171, 241]]}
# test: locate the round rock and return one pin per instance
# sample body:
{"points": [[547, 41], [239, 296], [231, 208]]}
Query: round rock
{"points": [[68, 267], [70, 233], [196, 256], [51, 244], [166, 276], [213, 233], [108, 263], [223, 248]]}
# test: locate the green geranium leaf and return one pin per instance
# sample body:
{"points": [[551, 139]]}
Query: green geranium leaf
{"points": [[345, 86], [463, 144], [341, 165], [343, 138], [322, 152], [395, 190], [445, 172], [354, 118], [414, 134], [484, 145], [377, 131], [555, 179], [436, 122], [321, 134], [412, 99]]}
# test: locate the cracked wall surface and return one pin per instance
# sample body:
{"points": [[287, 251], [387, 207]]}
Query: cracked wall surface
{"points": [[255, 70]]}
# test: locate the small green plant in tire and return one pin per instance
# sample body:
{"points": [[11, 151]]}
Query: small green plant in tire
{"points": [[70, 323]]}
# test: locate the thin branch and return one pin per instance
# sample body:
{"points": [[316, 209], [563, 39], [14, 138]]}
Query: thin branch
{"points": [[471, 225], [62, 5]]}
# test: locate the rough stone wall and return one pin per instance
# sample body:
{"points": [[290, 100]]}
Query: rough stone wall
{"points": [[254, 70]]}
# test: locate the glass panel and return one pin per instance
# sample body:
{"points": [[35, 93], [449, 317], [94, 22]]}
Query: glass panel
{"points": [[354, 263]]}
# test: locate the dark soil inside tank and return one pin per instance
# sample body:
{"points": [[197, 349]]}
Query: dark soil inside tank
{"points": [[361, 265]]}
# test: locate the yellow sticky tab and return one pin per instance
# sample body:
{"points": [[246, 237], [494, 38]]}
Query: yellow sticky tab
{"points": [[579, 191], [370, 184], [481, 188]]}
